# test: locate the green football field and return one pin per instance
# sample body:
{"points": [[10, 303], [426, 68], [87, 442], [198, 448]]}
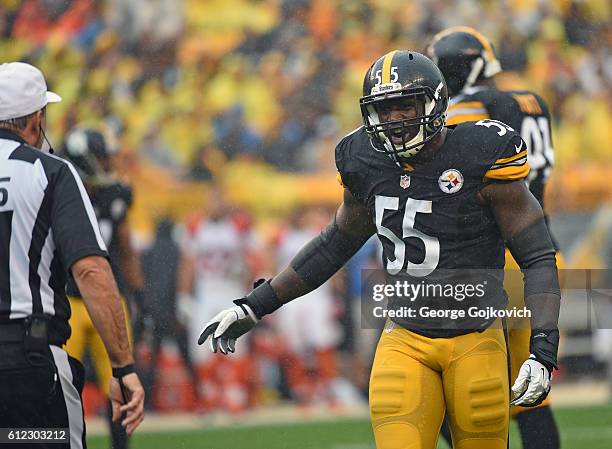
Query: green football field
{"points": [[581, 427]]}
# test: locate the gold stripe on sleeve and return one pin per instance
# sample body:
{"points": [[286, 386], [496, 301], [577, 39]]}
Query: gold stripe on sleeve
{"points": [[511, 158], [467, 105], [339, 178], [511, 173], [455, 120]]}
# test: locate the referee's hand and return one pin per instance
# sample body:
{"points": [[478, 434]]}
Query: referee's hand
{"points": [[127, 402]]}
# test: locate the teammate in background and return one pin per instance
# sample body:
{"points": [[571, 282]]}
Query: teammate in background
{"points": [[469, 64], [160, 266], [88, 150], [296, 321], [213, 271], [436, 207]]}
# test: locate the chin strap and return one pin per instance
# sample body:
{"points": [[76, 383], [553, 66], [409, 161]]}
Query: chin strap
{"points": [[474, 73]]}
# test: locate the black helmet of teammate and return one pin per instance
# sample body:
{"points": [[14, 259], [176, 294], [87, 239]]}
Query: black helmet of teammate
{"points": [[88, 151], [403, 79], [464, 56]]}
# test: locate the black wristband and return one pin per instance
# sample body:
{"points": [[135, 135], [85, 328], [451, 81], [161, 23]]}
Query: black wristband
{"points": [[118, 373], [544, 345], [262, 300]]}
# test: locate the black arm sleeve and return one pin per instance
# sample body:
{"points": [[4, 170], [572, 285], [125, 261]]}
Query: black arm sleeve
{"points": [[534, 251], [314, 264], [73, 221], [323, 256]]}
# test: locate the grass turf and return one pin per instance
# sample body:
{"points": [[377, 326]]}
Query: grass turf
{"points": [[580, 427]]}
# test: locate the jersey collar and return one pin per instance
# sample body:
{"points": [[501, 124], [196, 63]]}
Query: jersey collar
{"points": [[10, 135]]}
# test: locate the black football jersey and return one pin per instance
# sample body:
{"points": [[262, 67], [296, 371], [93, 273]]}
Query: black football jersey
{"points": [[525, 112], [111, 204], [428, 217]]}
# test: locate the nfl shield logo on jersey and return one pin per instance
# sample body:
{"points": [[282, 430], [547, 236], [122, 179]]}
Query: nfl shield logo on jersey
{"points": [[450, 181], [405, 181]]}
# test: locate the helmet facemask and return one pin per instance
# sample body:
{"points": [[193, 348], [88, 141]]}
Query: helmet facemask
{"points": [[407, 136]]}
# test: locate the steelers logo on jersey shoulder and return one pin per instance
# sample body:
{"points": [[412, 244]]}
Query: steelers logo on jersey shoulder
{"points": [[450, 181]]}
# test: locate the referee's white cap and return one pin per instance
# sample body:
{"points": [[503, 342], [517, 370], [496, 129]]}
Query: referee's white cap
{"points": [[23, 90]]}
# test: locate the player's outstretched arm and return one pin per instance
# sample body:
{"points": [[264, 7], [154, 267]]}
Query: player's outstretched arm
{"points": [[521, 222], [314, 264], [323, 256]]}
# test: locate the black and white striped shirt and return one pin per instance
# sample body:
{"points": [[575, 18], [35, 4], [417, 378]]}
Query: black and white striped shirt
{"points": [[46, 224]]}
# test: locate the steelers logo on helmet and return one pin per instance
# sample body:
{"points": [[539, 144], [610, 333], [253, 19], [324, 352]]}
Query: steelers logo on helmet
{"points": [[404, 103], [450, 181]]}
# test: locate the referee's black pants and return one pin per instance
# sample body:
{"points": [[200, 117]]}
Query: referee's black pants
{"points": [[44, 392]]}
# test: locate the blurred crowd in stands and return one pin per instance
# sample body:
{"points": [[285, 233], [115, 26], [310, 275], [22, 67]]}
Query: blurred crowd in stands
{"points": [[191, 84]]}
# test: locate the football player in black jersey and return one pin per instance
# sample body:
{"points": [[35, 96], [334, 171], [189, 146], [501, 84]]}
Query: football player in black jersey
{"points": [[441, 200], [468, 61], [111, 199]]}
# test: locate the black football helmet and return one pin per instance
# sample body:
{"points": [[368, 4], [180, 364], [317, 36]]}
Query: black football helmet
{"points": [[403, 76], [464, 56], [90, 154]]}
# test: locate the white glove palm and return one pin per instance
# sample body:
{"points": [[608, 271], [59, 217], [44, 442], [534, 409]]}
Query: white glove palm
{"points": [[532, 384], [227, 326]]}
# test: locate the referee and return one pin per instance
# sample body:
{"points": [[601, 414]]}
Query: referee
{"points": [[48, 228]]}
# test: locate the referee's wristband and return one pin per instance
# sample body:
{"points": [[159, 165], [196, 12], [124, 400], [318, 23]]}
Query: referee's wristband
{"points": [[118, 373]]}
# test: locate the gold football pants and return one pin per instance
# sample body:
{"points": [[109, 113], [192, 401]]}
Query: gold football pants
{"points": [[415, 379], [85, 336]]}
